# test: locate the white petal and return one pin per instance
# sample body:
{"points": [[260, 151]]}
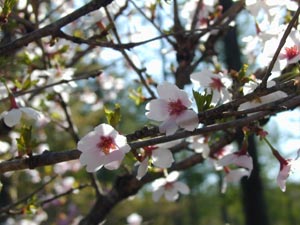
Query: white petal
{"points": [[158, 110], [173, 176], [157, 194], [182, 187], [31, 113], [282, 176], [169, 127], [162, 158], [236, 175], [92, 160], [171, 195], [227, 160], [168, 91], [12, 117], [188, 120], [113, 160], [143, 168], [105, 130]]}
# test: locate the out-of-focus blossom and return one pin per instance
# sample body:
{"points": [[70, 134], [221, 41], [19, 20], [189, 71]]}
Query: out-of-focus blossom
{"points": [[134, 219], [240, 158], [216, 84], [172, 108], [169, 187], [13, 116], [250, 87], [233, 176], [103, 146], [200, 144], [64, 184]]}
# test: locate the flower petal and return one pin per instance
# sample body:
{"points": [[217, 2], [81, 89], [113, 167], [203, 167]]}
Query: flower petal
{"points": [[12, 117], [158, 110], [188, 120], [162, 158], [181, 187], [157, 194], [142, 169]]}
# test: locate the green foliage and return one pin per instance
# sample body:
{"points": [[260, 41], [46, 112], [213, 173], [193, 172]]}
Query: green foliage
{"points": [[113, 117], [7, 7], [25, 142], [137, 96], [203, 101]]}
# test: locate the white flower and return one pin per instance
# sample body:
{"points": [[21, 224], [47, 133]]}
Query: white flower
{"points": [[160, 155], [250, 87], [103, 146], [216, 84], [290, 53], [134, 219], [200, 145], [233, 176], [169, 187], [13, 116], [240, 158], [286, 167], [172, 109]]}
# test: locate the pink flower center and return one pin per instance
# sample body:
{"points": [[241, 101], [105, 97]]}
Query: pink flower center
{"points": [[149, 150], [291, 52], [169, 186], [216, 84], [176, 107], [106, 144]]}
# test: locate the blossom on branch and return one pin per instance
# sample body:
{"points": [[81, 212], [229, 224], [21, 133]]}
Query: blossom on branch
{"points": [[13, 116], [103, 146], [240, 158], [169, 187], [160, 156], [286, 167], [251, 86], [216, 84], [291, 50], [233, 176], [172, 108]]}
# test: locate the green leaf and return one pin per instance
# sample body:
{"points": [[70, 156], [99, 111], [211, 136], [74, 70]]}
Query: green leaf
{"points": [[137, 96], [7, 7], [25, 142], [203, 101], [113, 117]]}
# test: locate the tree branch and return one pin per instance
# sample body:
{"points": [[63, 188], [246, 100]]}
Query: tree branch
{"points": [[52, 28]]}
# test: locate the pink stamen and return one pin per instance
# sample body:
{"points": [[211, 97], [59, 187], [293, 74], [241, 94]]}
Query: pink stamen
{"points": [[106, 144], [216, 84], [176, 107], [291, 52]]}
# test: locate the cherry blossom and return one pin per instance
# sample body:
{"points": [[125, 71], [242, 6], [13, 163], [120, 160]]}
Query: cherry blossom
{"points": [[103, 146], [172, 109], [250, 87], [286, 167], [240, 158], [160, 155], [13, 116], [233, 176], [216, 84], [169, 187], [134, 219], [291, 50], [200, 144]]}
